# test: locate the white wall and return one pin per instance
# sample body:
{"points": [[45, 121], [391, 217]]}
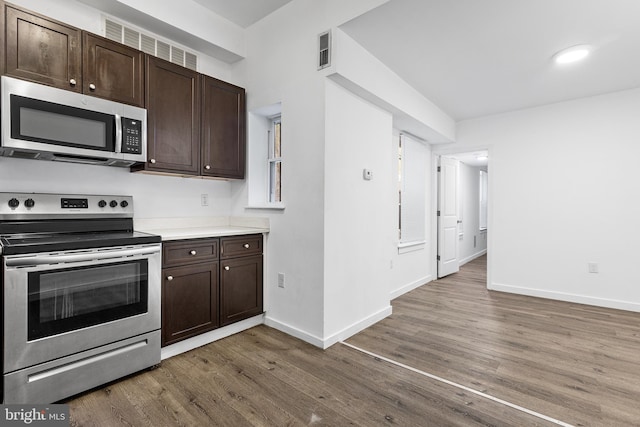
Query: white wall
{"points": [[360, 215], [331, 289], [469, 191], [154, 196], [563, 192]]}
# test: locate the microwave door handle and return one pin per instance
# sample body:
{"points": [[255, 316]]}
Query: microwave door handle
{"points": [[78, 257], [118, 133]]}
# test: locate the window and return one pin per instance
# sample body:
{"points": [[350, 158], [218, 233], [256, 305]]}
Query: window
{"points": [[275, 161], [264, 158], [484, 190], [412, 174]]}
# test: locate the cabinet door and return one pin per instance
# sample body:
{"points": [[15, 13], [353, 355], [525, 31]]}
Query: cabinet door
{"points": [[223, 129], [112, 70], [42, 50], [240, 288], [189, 301], [173, 117]]}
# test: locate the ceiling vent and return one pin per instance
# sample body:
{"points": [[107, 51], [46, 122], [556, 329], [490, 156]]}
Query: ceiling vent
{"points": [[324, 50], [148, 43]]}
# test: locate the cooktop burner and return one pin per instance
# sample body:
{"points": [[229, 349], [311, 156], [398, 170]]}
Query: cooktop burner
{"points": [[31, 222]]}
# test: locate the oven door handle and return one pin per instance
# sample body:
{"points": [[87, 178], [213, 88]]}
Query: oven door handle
{"points": [[33, 260]]}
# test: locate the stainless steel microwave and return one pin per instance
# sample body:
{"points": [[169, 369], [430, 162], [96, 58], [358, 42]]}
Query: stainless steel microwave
{"points": [[46, 123]]}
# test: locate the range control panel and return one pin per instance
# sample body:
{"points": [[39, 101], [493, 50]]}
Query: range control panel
{"points": [[43, 205]]}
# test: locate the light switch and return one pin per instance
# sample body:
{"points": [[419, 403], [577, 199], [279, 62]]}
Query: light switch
{"points": [[367, 174]]}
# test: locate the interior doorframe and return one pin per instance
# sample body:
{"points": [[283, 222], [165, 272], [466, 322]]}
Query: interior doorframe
{"points": [[435, 155]]}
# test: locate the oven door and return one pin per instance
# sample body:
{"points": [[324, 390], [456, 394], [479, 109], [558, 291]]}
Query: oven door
{"points": [[58, 304]]}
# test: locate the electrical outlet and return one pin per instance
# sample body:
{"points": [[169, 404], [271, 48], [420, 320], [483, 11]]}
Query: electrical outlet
{"points": [[593, 267], [204, 199], [281, 280]]}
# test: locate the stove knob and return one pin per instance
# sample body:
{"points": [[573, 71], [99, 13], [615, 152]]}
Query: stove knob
{"points": [[14, 203], [124, 203], [29, 203], [102, 203], [113, 203]]}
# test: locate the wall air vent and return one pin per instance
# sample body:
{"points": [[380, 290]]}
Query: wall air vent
{"points": [[149, 43], [324, 50]]}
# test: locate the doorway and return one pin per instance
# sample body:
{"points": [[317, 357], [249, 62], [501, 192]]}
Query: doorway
{"points": [[462, 209]]}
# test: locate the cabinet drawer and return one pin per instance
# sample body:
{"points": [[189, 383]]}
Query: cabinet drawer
{"points": [[189, 251], [231, 247]]}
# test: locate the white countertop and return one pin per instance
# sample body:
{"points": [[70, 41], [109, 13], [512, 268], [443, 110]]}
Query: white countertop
{"points": [[201, 227]]}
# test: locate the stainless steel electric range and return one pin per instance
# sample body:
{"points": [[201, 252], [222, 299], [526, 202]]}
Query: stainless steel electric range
{"points": [[81, 294]]}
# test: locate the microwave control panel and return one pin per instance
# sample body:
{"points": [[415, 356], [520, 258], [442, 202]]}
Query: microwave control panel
{"points": [[131, 136]]}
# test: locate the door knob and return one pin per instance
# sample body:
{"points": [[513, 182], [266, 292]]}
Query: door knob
{"points": [[92, 86], [169, 278]]}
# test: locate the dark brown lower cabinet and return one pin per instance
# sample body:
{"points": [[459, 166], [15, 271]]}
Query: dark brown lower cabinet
{"points": [[190, 301], [240, 288], [204, 288]]}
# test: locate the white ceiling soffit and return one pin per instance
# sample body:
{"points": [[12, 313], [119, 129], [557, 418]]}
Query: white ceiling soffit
{"points": [[199, 42], [243, 12], [475, 58]]}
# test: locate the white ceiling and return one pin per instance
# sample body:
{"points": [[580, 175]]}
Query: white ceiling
{"points": [[243, 12], [479, 57]]}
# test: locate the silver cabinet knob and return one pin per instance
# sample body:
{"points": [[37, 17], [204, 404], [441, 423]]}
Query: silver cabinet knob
{"points": [[193, 252], [92, 86], [72, 82], [227, 268], [207, 167], [152, 160], [246, 246], [169, 278]]}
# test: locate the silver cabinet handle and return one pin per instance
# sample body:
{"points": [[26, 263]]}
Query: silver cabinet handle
{"points": [[207, 167], [92, 86], [192, 252], [246, 246], [72, 82], [169, 278], [227, 268], [152, 160]]}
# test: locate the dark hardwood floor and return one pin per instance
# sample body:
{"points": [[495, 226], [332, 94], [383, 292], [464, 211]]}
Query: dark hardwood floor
{"points": [[575, 363]]}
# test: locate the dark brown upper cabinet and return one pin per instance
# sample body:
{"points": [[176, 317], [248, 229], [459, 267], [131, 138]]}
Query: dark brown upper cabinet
{"points": [[112, 70], [173, 118], [223, 138], [42, 50], [53, 53]]}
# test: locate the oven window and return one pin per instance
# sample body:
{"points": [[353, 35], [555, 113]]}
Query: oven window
{"points": [[69, 299]]}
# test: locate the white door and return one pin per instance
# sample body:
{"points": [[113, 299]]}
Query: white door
{"points": [[447, 217]]}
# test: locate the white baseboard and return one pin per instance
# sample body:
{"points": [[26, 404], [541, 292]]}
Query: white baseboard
{"points": [[327, 342], [293, 331], [409, 287], [209, 337], [561, 296], [472, 257], [357, 327]]}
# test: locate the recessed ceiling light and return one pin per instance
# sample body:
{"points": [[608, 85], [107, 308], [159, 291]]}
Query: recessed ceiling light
{"points": [[572, 54]]}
